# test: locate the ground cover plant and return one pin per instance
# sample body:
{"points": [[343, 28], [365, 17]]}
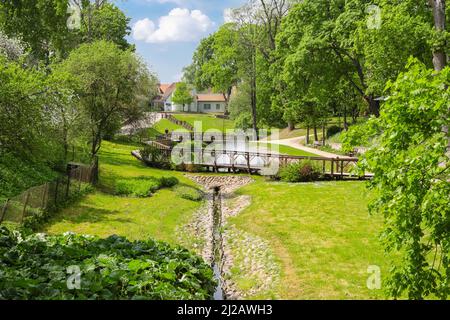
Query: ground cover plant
{"points": [[37, 267]]}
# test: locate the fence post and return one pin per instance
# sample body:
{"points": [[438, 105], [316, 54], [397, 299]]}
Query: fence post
{"points": [[25, 206], [5, 206]]}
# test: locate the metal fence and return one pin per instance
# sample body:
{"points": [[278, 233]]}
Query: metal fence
{"points": [[36, 200]]}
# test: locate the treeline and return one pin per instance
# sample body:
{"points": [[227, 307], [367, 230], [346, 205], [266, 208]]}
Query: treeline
{"points": [[66, 80], [305, 61]]}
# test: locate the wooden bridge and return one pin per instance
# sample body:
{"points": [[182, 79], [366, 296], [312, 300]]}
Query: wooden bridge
{"points": [[260, 163]]}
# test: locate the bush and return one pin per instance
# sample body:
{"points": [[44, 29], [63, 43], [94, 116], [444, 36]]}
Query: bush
{"points": [[189, 193], [302, 171], [38, 267], [143, 186], [137, 187], [332, 130], [168, 182]]}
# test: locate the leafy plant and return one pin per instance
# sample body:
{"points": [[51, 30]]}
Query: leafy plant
{"points": [[36, 267], [137, 187], [168, 182], [302, 171]]}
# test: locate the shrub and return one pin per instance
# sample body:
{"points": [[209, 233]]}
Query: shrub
{"points": [[189, 193], [332, 130], [36, 267], [302, 171], [168, 182], [137, 187]]}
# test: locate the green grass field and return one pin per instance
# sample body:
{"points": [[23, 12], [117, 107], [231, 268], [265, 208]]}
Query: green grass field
{"points": [[102, 213], [209, 122], [322, 235]]}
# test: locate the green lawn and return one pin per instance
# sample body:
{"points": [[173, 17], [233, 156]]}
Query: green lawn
{"points": [[208, 121], [321, 234], [102, 213], [287, 150], [162, 125]]}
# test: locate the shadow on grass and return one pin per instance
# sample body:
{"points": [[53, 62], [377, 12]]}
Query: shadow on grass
{"points": [[82, 214]]}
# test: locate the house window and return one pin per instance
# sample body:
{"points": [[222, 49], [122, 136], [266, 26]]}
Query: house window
{"points": [[218, 106], [207, 106]]}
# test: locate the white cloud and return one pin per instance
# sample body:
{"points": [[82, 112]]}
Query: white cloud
{"points": [[180, 25]]}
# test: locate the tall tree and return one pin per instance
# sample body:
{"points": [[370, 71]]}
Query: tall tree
{"points": [[108, 80], [182, 95]]}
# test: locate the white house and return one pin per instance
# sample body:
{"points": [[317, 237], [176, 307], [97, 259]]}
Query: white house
{"points": [[203, 102]]}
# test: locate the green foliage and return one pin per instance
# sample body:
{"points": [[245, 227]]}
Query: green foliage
{"points": [[143, 186], [36, 267], [168, 182], [243, 121], [189, 193], [412, 180], [182, 95], [137, 187], [109, 82], [301, 171], [17, 175], [332, 130]]}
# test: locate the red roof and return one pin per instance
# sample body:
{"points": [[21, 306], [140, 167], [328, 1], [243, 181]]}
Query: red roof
{"points": [[211, 97]]}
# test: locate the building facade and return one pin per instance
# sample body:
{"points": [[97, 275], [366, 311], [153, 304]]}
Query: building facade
{"points": [[203, 102]]}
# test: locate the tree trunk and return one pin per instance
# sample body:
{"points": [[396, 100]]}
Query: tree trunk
{"points": [[253, 97], [316, 136], [291, 125], [439, 56], [374, 105], [307, 134]]}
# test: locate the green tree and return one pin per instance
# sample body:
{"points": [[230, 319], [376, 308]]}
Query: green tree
{"points": [[107, 81], [182, 95]]}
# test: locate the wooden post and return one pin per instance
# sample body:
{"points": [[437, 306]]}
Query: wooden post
{"points": [[342, 169], [80, 171], [5, 206], [332, 167], [323, 166], [27, 197]]}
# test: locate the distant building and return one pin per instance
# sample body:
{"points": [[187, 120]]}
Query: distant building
{"points": [[203, 102]]}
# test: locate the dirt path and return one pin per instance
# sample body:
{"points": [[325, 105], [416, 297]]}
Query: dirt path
{"points": [[297, 144]]}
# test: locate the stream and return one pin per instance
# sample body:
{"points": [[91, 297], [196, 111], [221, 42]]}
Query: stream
{"points": [[217, 243]]}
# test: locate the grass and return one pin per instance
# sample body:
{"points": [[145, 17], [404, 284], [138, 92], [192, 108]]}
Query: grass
{"points": [[102, 213], [286, 150], [209, 122], [321, 234], [162, 125]]}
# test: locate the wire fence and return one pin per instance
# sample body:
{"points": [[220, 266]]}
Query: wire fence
{"points": [[36, 200]]}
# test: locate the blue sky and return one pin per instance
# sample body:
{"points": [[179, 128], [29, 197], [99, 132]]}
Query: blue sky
{"points": [[166, 32]]}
